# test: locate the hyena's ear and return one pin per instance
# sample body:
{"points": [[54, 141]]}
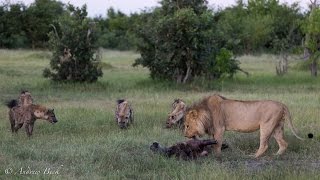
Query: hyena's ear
{"points": [[183, 106], [38, 113]]}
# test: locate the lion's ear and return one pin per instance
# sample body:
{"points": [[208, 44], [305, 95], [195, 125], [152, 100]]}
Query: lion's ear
{"points": [[194, 113]]}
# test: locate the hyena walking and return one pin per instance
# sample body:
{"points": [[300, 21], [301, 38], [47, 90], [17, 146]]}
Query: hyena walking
{"points": [[23, 112], [124, 113]]}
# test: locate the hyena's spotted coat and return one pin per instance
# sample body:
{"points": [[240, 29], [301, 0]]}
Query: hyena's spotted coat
{"points": [[124, 113], [23, 112]]}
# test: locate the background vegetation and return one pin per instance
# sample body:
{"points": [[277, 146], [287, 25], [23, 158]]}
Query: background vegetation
{"points": [[89, 144], [267, 37], [193, 33], [75, 51]]}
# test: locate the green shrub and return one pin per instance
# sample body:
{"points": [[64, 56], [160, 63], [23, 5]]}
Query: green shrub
{"points": [[75, 56]]}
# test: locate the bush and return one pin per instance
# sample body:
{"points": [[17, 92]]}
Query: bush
{"points": [[75, 52], [178, 42]]}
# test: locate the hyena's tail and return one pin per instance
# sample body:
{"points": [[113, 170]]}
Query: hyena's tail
{"points": [[12, 103]]}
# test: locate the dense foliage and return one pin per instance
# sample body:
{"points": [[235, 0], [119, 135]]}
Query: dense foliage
{"points": [[181, 39], [312, 43], [261, 26], [73, 43], [22, 27], [177, 42]]}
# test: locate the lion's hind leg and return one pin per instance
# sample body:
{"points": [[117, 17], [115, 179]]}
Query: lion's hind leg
{"points": [[265, 134], [278, 135]]}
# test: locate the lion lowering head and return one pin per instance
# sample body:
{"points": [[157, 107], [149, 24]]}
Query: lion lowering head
{"points": [[216, 114], [195, 123]]}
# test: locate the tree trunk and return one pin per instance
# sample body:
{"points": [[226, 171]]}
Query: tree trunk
{"points": [[188, 73], [33, 45], [314, 62], [282, 66], [313, 68]]}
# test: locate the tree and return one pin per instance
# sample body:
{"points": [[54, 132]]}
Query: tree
{"points": [[73, 42], [12, 19], [287, 34], [312, 42], [116, 31], [177, 41], [245, 28], [39, 16], [260, 26]]}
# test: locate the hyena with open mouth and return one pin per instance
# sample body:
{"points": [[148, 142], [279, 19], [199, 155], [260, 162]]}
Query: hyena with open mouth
{"points": [[176, 116], [123, 114]]}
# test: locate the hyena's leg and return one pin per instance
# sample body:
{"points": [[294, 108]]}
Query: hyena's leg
{"points": [[31, 125], [17, 127], [27, 126], [12, 125], [12, 122]]}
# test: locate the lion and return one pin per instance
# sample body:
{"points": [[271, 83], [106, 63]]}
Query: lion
{"points": [[216, 114], [176, 116], [124, 113], [28, 116]]}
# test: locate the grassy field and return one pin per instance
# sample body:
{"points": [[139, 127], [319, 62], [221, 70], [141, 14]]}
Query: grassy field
{"points": [[86, 143]]}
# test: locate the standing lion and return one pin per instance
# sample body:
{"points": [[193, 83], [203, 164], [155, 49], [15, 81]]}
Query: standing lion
{"points": [[216, 114]]}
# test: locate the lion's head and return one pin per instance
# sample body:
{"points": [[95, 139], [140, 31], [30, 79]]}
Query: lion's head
{"points": [[195, 123]]}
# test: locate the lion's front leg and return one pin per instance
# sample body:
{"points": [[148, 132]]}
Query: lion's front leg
{"points": [[218, 136]]}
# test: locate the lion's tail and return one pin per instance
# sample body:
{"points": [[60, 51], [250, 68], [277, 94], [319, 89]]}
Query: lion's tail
{"points": [[12, 103], [287, 116]]}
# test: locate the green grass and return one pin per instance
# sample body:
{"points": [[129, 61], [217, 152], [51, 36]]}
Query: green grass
{"points": [[87, 144]]}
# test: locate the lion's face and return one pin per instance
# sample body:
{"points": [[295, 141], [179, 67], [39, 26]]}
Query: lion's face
{"points": [[193, 126]]}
